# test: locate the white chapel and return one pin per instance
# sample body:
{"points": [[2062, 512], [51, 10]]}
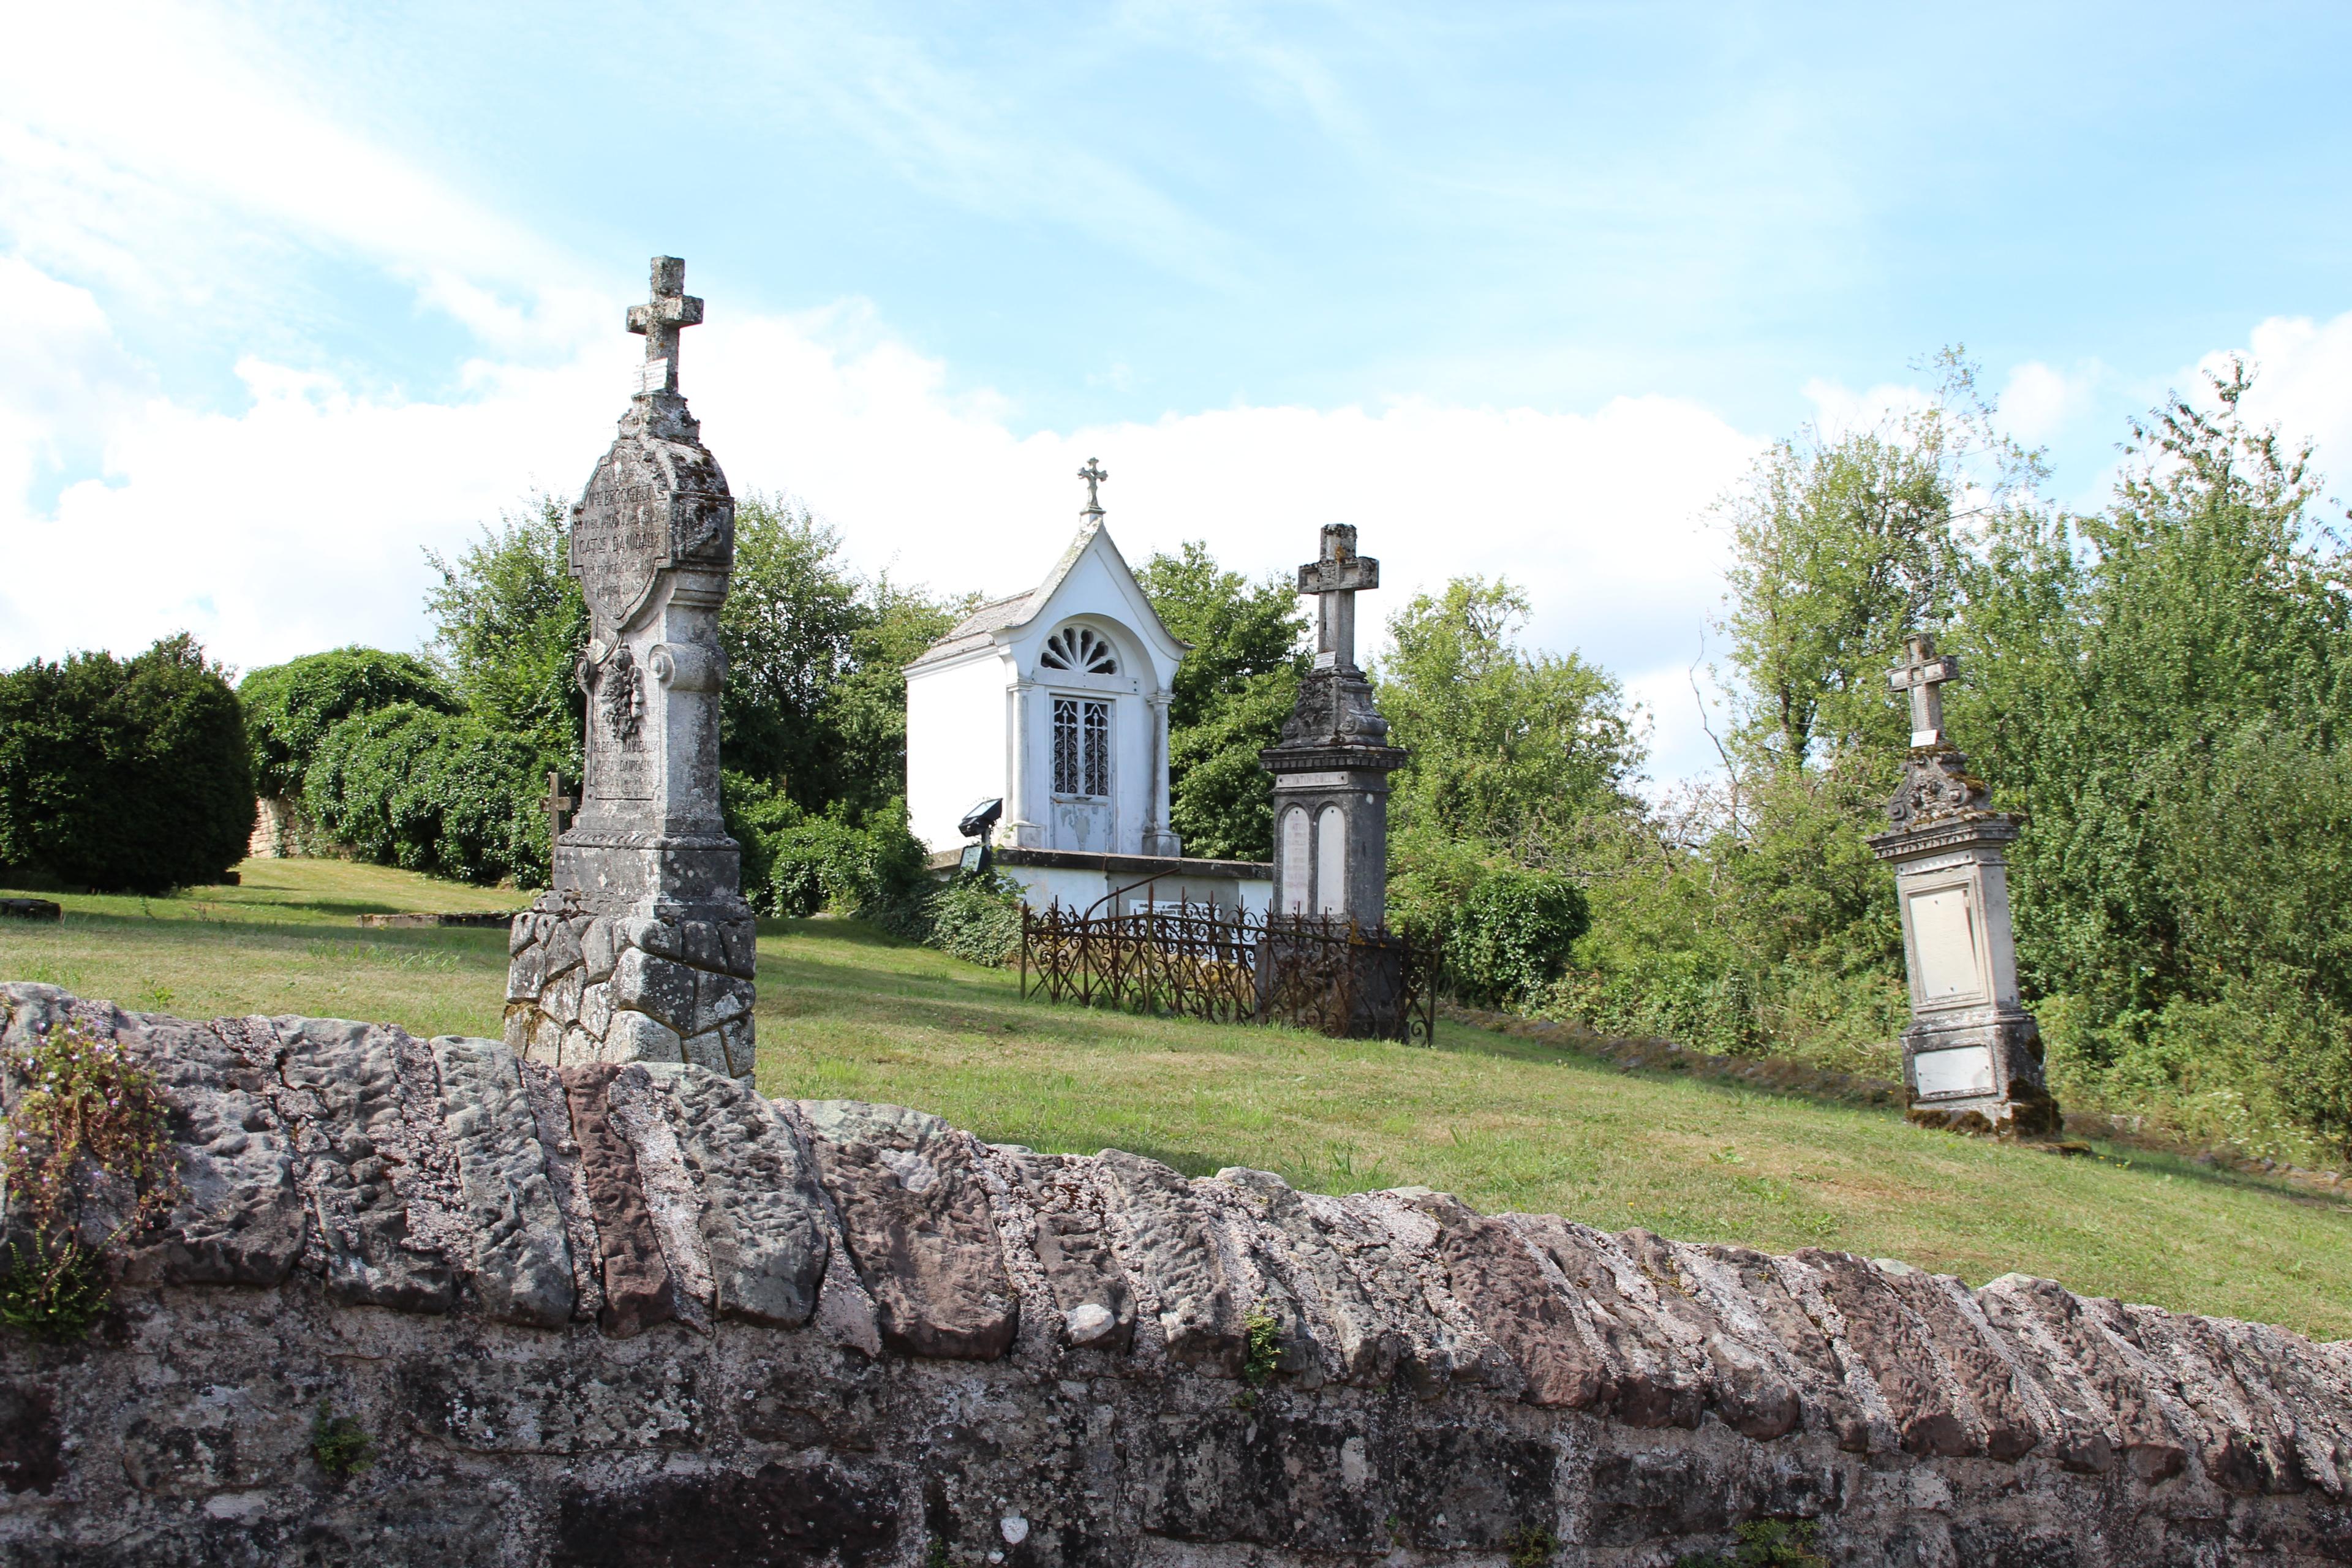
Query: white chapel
{"points": [[1054, 703]]}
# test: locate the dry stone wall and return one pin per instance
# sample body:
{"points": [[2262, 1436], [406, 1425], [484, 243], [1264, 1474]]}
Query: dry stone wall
{"points": [[636, 1314]]}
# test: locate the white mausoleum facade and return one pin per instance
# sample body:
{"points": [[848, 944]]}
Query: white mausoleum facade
{"points": [[1055, 701]]}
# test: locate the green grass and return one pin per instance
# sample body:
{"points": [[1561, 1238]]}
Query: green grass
{"points": [[1506, 1124]]}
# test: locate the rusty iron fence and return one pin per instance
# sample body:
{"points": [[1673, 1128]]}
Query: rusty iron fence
{"points": [[1230, 967]]}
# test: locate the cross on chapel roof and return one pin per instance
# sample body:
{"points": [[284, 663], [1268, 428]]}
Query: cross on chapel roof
{"points": [[1334, 578], [1921, 673], [661, 318], [1094, 473]]}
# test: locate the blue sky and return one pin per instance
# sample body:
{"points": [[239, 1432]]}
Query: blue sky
{"points": [[1515, 289]]}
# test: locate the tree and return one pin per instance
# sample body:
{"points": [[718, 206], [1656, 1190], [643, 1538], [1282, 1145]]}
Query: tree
{"points": [[289, 707], [510, 626], [125, 773], [1231, 694], [1518, 758], [789, 627]]}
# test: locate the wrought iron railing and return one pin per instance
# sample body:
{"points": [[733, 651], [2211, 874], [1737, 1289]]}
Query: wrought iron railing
{"points": [[1323, 973]]}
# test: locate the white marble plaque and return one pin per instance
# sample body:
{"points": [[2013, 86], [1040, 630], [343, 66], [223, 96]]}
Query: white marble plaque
{"points": [[1313, 781], [1966, 1070], [1294, 860], [653, 375], [1944, 939], [1330, 862]]}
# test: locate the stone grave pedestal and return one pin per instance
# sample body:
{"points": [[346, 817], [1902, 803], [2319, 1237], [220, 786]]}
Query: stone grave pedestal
{"points": [[642, 947]]}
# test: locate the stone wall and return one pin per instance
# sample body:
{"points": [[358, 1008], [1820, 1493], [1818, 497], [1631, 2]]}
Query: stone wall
{"points": [[637, 1315]]}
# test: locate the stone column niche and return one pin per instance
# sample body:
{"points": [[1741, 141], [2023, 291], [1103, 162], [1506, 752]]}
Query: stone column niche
{"points": [[642, 948], [1331, 766], [1972, 1056]]}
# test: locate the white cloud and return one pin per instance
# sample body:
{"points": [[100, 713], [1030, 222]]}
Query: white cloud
{"points": [[2302, 385], [300, 521], [2040, 401]]}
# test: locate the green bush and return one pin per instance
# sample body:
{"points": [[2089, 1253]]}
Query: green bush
{"points": [[124, 773], [432, 792], [291, 707], [1512, 935], [978, 918], [797, 862]]}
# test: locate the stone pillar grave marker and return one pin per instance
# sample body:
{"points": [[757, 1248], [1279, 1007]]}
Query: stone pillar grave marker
{"points": [[1331, 766], [1972, 1055], [642, 949]]}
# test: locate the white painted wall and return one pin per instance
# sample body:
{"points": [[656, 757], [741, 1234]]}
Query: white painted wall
{"points": [[1078, 890], [957, 717]]}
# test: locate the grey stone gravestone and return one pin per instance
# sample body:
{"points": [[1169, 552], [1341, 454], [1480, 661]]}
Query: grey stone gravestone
{"points": [[1972, 1056], [1331, 766], [642, 948]]}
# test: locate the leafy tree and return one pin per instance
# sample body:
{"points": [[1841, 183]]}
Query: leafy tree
{"points": [[865, 714], [1520, 760], [790, 626], [1231, 694], [510, 623], [125, 773], [289, 707]]}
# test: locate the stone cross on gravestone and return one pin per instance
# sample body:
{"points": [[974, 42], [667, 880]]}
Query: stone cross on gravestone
{"points": [[557, 803], [1922, 673], [1094, 473], [661, 318], [1335, 579]]}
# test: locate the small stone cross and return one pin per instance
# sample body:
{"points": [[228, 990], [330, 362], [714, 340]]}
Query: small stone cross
{"points": [[557, 802], [1094, 473], [1921, 673], [1335, 579], [661, 318]]}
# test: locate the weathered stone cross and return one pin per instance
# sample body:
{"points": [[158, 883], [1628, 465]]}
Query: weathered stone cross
{"points": [[1920, 674], [1094, 473], [1334, 580], [557, 802], [661, 318]]}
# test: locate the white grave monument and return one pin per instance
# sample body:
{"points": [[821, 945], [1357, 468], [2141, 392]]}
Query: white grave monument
{"points": [[1055, 701], [1972, 1056]]}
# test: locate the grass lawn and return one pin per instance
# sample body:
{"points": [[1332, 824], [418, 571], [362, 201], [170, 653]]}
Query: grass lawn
{"points": [[1506, 1124]]}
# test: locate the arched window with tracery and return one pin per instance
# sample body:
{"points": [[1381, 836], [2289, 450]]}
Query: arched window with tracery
{"points": [[1080, 650]]}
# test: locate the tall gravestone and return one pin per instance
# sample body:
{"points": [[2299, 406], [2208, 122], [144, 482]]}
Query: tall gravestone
{"points": [[1331, 766], [1972, 1056], [642, 947]]}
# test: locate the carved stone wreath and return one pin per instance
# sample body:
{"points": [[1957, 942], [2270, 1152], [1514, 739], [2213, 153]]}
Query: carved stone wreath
{"points": [[620, 694]]}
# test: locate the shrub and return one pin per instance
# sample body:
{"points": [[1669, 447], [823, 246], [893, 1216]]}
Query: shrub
{"points": [[977, 919], [1512, 935], [433, 791], [124, 773], [85, 1158], [291, 707], [797, 862]]}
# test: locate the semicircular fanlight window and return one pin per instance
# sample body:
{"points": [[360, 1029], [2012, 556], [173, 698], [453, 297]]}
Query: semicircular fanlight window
{"points": [[1080, 649]]}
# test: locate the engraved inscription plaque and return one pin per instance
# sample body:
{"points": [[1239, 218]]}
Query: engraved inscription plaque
{"points": [[620, 539], [1965, 1070], [1293, 857], [1944, 940]]}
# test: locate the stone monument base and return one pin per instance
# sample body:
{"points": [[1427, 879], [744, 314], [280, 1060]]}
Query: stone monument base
{"points": [[654, 981], [1981, 1076]]}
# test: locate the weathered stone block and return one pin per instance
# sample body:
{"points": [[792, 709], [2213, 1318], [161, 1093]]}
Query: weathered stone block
{"points": [[521, 1258], [655, 985], [638, 1288], [637, 1038], [916, 1219], [761, 1220]]}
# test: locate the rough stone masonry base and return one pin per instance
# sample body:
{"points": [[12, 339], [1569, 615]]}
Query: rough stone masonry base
{"points": [[584, 987], [637, 1315]]}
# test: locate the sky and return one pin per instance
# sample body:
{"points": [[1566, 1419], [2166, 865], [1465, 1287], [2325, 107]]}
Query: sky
{"points": [[298, 294]]}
